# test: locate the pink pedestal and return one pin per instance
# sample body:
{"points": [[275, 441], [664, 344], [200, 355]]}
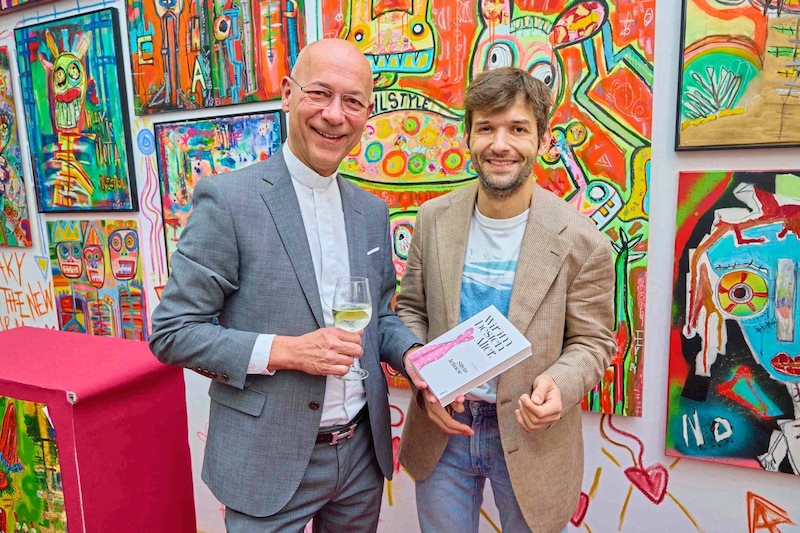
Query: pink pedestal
{"points": [[120, 426]]}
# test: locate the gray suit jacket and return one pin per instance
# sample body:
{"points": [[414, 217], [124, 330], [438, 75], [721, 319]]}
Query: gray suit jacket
{"points": [[243, 267]]}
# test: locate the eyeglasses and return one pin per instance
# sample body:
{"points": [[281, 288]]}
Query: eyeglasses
{"points": [[322, 97]]}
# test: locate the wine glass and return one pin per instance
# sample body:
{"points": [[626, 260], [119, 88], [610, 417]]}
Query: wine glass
{"points": [[352, 311]]}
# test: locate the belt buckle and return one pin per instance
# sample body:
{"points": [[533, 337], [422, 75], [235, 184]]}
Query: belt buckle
{"points": [[343, 434]]}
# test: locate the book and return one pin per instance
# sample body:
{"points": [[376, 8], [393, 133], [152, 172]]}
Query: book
{"points": [[470, 354]]}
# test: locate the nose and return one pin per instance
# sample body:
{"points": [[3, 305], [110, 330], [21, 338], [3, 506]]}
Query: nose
{"points": [[500, 140], [334, 113]]}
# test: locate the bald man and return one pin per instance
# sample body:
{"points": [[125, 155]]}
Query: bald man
{"points": [[248, 304]]}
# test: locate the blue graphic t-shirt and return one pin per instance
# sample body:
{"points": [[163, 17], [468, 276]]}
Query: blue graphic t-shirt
{"points": [[489, 267]]}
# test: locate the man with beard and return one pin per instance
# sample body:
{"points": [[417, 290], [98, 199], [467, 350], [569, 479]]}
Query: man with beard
{"points": [[550, 271]]}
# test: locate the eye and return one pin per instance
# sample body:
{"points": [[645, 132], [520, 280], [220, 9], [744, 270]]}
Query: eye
{"points": [[544, 73], [130, 241], [499, 55], [74, 71], [63, 250], [222, 28], [60, 76], [742, 293], [116, 242], [417, 28]]}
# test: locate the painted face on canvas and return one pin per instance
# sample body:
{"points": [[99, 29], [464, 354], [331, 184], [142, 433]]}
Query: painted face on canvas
{"points": [[69, 259], [123, 251], [95, 265], [69, 90], [756, 286]]}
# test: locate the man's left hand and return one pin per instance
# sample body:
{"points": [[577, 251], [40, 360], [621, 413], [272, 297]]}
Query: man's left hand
{"points": [[542, 407]]}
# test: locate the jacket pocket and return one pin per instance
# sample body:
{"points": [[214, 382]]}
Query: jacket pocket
{"points": [[247, 401]]}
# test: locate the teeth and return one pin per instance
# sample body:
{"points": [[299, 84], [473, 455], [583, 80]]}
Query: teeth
{"points": [[328, 136]]}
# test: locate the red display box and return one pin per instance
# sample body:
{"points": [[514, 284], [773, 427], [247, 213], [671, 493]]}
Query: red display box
{"points": [[119, 418]]}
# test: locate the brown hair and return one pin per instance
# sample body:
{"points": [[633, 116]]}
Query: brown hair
{"points": [[496, 90]]}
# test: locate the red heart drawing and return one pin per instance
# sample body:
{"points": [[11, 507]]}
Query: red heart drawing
{"points": [[580, 510], [652, 481]]}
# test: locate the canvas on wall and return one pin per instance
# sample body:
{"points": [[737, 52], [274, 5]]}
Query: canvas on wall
{"points": [[15, 226], [7, 6], [74, 98], [97, 277], [597, 56], [191, 150], [31, 495], [734, 362], [211, 53], [739, 74]]}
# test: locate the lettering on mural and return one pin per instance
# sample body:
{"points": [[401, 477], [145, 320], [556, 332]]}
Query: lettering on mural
{"points": [[721, 429], [22, 302]]}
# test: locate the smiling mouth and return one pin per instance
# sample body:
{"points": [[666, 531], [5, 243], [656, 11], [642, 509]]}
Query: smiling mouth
{"points": [[784, 364], [328, 135]]}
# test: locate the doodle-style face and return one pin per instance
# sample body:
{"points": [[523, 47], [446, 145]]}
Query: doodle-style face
{"points": [[69, 84], [123, 251], [94, 263], [756, 286], [69, 258], [395, 35]]}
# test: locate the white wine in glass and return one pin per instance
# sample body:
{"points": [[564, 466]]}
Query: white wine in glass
{"points": [[352, 311]]}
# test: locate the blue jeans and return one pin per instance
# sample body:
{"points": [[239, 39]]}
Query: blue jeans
{"points": [[450, 498]]}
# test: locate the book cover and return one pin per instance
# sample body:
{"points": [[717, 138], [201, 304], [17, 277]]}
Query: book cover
{"points": [[473, 352]]}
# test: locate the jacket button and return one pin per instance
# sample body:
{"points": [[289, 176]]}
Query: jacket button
{"points": [[224, 378], [313, 406]]}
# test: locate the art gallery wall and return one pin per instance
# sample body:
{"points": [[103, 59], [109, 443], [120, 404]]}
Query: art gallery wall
{"points": [[629, 483]]}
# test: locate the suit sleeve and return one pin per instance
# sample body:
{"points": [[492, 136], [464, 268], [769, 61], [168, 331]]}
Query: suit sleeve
{"points": [[411, 307], [588, 332], [395, 337], [186, 330]]}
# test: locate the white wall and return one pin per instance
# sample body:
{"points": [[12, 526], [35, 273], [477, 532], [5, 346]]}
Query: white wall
{"points": [[699, 496]]}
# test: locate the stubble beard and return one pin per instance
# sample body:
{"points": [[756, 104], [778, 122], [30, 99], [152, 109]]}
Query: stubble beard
{"points": [[502, 191]]}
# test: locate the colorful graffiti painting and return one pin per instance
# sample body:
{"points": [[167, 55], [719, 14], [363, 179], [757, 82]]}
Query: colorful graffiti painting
{"points": [[31, 494], [739, 77], [191, 150], [734, 385], [97, 277], [15, 227], [74, 98], [597, 56], [211, 53], [7, 6]]}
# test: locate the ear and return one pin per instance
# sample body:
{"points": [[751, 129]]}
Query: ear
{"points": [[51, 45], [579, 22], [286, 90], [545, 142]]}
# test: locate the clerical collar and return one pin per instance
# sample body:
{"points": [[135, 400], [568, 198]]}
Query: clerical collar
{"points": [[303, 174]]}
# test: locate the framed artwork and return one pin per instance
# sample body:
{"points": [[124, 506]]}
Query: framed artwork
{"points": [[30, 469], [734, 369], [97, 277], [7, 6], [739, 85], [211, 53], [74, 98], [15, 226], [191, 150], [597, 58]]}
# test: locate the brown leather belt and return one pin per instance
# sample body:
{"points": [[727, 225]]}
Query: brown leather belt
{"points": [[346, 432]]}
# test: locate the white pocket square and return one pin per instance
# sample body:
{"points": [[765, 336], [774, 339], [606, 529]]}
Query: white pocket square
{"points": [[373, 250]]}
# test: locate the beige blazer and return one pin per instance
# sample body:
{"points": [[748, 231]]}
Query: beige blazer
{"points": [[562, 300]]}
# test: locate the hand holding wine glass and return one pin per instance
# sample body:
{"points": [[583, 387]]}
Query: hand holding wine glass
{"points": [[352, 311]]}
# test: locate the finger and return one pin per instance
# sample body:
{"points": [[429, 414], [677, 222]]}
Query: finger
{"points": [[416, 379], [446, 422], [458, 405], [540, 390]]}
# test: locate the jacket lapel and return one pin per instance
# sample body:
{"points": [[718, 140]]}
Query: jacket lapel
{"points": [[452, 230], [282, 204], [355, 228], [541, 256]]}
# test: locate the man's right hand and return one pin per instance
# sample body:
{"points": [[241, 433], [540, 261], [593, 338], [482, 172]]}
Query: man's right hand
{"points": [[326, 351]]}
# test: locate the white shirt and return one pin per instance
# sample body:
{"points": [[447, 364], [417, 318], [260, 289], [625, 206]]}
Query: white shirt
{"points": [[321, 208]]}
